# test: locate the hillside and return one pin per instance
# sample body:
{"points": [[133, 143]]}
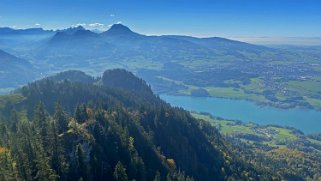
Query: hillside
{"points": [[72, 129], [15, 71], [286, 151]]}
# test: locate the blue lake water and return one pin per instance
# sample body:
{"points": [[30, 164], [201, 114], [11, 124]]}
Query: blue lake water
{"points": [[308, 121]]}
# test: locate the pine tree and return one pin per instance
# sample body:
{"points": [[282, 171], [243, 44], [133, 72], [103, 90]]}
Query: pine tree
{"points": [[3, 134], [23, 151], [82, 169], [44, 170], [13, 121], [120, 172], [56, 151], [61, 119], [40, 123], [81, 113], [40, 144]]}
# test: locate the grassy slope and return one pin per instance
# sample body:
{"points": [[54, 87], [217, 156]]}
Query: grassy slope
{"points": [[278, 148], [274, 134], [309, 90]]}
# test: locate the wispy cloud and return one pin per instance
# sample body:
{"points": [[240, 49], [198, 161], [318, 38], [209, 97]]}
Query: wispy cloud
{"points": [[96, 25], [81, 24], [37, 24], [112, 15], [119, 22], [91, 26]]}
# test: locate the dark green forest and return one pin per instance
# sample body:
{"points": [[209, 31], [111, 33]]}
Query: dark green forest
{"points": [[75, 127]]}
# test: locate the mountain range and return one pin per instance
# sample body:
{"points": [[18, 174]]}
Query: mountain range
{"points": [[172, 64], [29, 31], [119, 46]]}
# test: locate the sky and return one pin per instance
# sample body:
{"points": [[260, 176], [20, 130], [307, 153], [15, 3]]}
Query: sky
{"points": [[201, 18]]}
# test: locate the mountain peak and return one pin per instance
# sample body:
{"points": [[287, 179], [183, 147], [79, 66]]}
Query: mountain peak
{"points": [[119, 29], [73, 33], [72, 30], [79, 28]]}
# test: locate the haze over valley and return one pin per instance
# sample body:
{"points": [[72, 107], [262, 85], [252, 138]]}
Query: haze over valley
{"points": [[219, 67], [164, 91]]}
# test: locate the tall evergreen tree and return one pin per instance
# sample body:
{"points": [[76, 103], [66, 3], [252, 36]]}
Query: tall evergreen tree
{"points": [[120, 172], [82, 168], [81, 113], [42, 160], [13, 121], [60, 118], [56, 151], [24, 153], [40, 122]]}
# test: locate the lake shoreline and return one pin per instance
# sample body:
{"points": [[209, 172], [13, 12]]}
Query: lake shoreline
{"points": [[306, 120], [259, 103]]}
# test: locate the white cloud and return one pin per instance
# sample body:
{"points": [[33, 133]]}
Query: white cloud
{"points": [[37, 24], [119, 22], [81, 24], [96, 25], [112, 15]]}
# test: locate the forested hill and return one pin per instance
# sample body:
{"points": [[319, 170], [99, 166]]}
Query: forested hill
{"points": [[63, 128]]}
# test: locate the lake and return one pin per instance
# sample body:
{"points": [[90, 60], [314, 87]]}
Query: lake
{"points": [[308, 121]]}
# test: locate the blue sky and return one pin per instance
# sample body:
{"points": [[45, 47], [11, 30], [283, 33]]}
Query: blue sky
{"points": [[226, 18]]}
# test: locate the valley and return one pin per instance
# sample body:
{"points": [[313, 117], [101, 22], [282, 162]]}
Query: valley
{"points": [[283, 77]]}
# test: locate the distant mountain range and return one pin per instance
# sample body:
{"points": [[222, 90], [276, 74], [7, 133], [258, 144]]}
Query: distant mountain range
{"points": [[30, 31], [170, 63], [119, 43]]}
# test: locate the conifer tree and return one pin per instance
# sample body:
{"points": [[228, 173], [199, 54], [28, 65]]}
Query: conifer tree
{"points": [[44, 170], [13, 121], [56, 151], [82, 169], [120, 172], [81, 113], [40, 123], [60, 118]]}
